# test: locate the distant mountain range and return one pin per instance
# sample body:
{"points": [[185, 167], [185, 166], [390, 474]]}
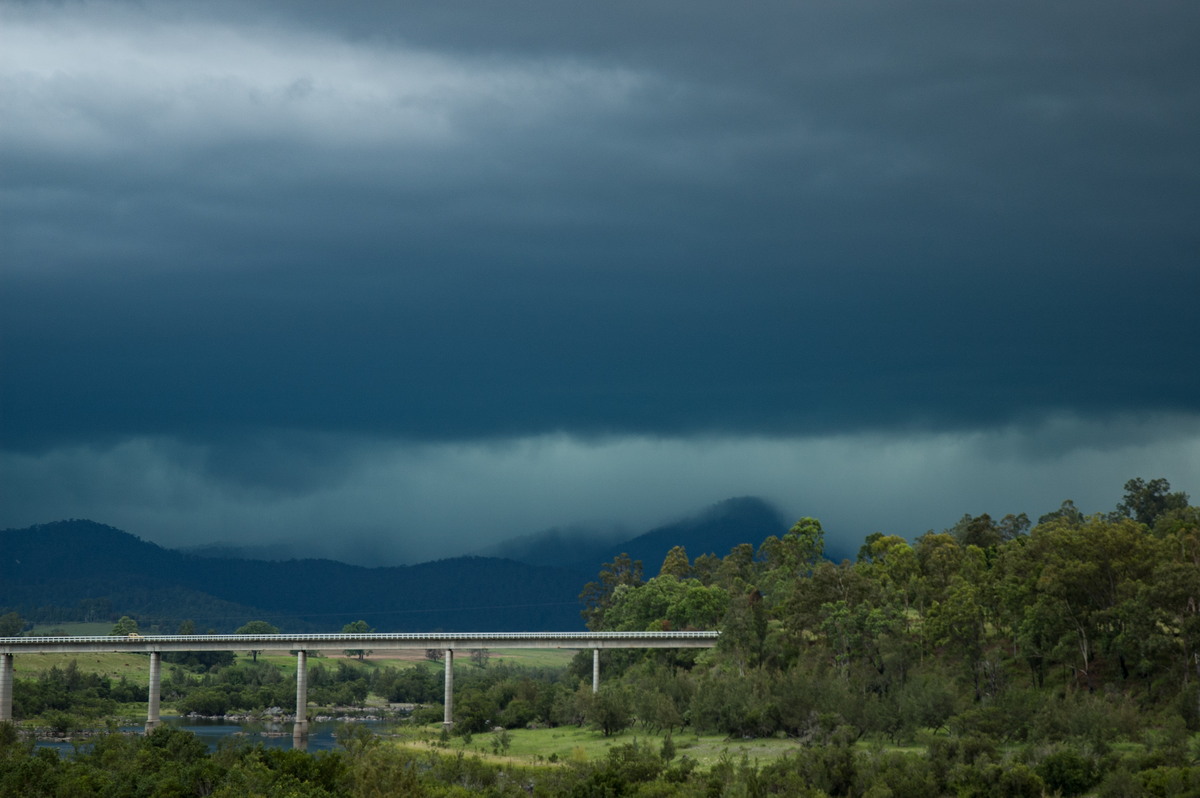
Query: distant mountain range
{"points": [[716, 530], [83, 570]]}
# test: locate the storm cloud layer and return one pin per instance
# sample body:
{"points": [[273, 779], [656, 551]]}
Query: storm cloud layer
{"points": [[441, 273]]}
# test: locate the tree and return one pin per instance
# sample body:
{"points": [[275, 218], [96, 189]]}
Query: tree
{"points": [[11, 624], [125, 626], [357, 628], [705, 568], [1145, 501], [610, 710], [985, 532], [597, 597], [666, 602], [739, 564], [977, 530], [676, 564], [940, 559], [798, 551], [789, 560], [1013, 526], [891, 562], [207, 660], [958, 625], [257, 628], [744, 629], [1085, 572], [1067, 513]]}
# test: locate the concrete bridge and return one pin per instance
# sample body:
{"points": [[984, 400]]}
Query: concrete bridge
{"points": [[301, 645]]}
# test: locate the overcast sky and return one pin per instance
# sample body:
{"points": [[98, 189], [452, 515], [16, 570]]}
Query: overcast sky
{"points": [[396, 283]]}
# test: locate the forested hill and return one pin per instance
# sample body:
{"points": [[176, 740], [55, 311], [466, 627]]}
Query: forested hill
{"points": [[1002, 630], [79, 570], [715, 530]]}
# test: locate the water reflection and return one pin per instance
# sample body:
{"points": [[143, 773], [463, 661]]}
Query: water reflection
{"points": [[321, 734]]}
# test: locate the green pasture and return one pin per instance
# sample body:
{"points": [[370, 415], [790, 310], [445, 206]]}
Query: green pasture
{"points": [[532, 657], [134, 667], [571, 743]]}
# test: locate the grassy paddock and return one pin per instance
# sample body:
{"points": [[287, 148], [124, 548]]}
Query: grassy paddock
{"points": [[530, 657], [571, 743], [135, 667]]}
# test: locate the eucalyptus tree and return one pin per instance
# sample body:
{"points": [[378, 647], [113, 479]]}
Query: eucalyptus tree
{"points": [[257, 628], [359, 628]]}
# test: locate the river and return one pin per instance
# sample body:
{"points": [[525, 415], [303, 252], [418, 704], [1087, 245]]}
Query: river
{"points": [[213, 730]]}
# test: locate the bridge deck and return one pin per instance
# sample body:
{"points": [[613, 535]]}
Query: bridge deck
{"points": [[372, 640]]}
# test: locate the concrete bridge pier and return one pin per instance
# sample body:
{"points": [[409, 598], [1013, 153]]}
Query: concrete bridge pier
{"points": [[6, 686], [300, 728], [595, 670], [152, 698], [448, 717]]}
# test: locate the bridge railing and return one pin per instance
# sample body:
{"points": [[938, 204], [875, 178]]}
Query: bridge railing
{"points": [[396, 637]]}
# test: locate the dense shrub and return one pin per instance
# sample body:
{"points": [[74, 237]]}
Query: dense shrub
{"points": [[1067, 771]]}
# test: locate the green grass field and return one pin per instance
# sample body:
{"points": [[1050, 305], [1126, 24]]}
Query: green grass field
{"points": [[569, 743], [135, 667]]}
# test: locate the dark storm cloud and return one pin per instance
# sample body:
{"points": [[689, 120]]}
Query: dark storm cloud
{"points": [[471, 354], [250, 250], [377, 501]]}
